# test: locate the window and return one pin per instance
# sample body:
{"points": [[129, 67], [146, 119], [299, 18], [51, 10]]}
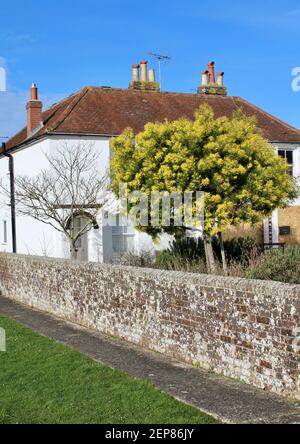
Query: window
{"points": [[288, 155], [122, 237], [78, 226], [5, 232], [82, 221]]}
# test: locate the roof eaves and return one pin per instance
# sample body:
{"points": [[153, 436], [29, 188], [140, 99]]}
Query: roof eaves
{"points": [[48, 133], [24, 144], [274, 118], [60, 133]]}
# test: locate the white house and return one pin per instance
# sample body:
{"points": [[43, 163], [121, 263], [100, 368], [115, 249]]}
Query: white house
{"points": [[96, 114]]}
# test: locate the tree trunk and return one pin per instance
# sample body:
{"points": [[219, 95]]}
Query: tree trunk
{"points": [[207, 257], [211, 264], [73, 251], [223, 254]]}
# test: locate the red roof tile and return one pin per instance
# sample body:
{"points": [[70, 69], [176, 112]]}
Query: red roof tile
{"points": [[104, 111]]}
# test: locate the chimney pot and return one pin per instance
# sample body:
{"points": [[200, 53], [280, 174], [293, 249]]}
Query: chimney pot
{"points": [[135, 73], [151, 75], [211, 69], [209, 85], [220, 78], [143, 64], [33, 92], [143, 80], [204, 78]]}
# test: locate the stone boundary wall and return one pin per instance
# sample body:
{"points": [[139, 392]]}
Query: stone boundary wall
{"points": [[239, 328]]}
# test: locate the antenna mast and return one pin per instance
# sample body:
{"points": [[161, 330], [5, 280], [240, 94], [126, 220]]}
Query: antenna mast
{"points": [[160, 58]]}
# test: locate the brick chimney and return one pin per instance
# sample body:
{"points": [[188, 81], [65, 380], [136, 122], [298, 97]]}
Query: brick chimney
{"points": [[142, 79], [34, 111], [209, 84]]}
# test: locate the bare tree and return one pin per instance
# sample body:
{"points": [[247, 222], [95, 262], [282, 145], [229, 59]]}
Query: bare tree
{"points": [[70, 188]]}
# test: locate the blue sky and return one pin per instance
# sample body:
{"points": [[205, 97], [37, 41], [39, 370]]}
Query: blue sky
{"points": [[65, 45]]}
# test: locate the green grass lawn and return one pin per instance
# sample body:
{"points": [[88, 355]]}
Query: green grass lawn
{"points": [[42, 381]]}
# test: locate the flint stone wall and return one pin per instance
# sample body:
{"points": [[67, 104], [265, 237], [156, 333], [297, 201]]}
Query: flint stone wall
{"points": [[239, 328]]}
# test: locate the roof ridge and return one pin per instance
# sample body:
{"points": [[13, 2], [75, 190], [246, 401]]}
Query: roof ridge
{"points": [[68, 110], [60, 102], [54, 109], [290, 127], [141, 91]]}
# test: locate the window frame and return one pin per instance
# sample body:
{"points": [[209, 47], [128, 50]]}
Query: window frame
{"points": [[123, 233], [4, 232], [285, 152]]}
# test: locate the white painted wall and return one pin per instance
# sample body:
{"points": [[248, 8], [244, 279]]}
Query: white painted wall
{"points": [[4, 209], [37, 238], [100, 144], [296, 174], [297, 170], [33, 237]]}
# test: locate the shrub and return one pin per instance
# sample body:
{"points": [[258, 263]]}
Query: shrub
{"points": [[141, 259], [189, 248], [277, 265], [245, 257], [237, 250], [167, 260]]}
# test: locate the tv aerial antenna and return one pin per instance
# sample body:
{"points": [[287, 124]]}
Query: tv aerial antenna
{"points": [[160, 58]]}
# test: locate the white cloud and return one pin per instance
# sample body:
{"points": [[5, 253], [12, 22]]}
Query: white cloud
{"points": [[12, 112], [13, 38], [13, 107], [2, 61], [3, 84], [2, 79]]}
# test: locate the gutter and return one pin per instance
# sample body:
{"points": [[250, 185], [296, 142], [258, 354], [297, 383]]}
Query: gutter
{"points": [[20, 146], [12, 197], [35, 140]]}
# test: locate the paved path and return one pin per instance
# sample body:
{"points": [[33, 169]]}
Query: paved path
{"points": [[223, 398]]}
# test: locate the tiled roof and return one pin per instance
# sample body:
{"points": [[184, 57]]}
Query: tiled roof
{"points": [[107, 111]]}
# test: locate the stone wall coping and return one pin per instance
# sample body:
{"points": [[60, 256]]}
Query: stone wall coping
{"points": [[257, 287]]}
